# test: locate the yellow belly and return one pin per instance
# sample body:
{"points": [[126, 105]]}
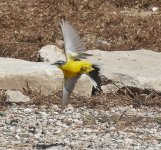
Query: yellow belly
{"points": [[74, 68]]}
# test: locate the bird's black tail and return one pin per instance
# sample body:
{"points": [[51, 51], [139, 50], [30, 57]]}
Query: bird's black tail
{"points": [[98, 78]]}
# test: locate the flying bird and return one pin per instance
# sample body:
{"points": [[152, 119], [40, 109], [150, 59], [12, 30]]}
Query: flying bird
{"points": [[74, 66]]}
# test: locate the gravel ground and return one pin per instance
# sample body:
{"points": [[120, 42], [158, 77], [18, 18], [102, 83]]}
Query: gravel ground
{"points": [[81, 128]]}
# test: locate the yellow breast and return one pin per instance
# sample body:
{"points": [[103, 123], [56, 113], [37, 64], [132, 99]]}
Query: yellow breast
{"points": [[74, 68]]}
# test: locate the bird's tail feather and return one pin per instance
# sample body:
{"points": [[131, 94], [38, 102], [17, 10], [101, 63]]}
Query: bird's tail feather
{"points": [[97, 80]]}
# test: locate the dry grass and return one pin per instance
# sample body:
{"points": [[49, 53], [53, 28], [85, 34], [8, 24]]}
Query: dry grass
{"points": [[107, 25], [3, 102], [123, 96], [136, 98]]}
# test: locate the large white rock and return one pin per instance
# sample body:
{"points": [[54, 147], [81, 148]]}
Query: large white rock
{"points": [[18, 74], [138, 68]]}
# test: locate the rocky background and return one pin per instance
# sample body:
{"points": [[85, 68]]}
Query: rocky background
{"points": [[127, 119]]}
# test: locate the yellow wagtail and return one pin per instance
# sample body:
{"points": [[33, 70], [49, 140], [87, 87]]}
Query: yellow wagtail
{"points": [[74, 67]]}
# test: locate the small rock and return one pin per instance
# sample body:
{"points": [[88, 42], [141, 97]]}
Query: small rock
{"points": [[18, 130], [37, 136], [2, 113], [28, 110], [69, 108], [39, 130], [67, 121], [50, 53], [51, 120], [60, 43], [17, 137], [154, 9], [58, 131], [16, 97], [112, 128], [77, 116], [44, 114], [55, 107], [14, 122], [58, 123], [32, 130]]}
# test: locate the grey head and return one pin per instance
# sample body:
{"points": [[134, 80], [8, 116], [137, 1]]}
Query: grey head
{"points": [[59, 63]]}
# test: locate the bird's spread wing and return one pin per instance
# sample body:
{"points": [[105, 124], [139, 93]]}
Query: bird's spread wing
{"points": [[74, 47], [67, 89]]}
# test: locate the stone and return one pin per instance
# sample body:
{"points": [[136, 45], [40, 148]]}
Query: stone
{"points": [[50, 53], [17, 74], [155, 9], [16, 96], [83, 86], [28, 110], [138, 68], [44, 114], [59, 43]]}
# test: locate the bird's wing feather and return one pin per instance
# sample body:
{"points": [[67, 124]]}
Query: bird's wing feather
{"points": [[68, 88], [74, 47]]}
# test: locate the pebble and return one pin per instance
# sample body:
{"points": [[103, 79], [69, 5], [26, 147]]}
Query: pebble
{"points": [[44, 114], [17, 137], [37, 136], [28, 110], [79, 128]]}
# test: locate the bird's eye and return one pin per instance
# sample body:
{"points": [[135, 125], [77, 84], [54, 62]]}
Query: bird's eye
{"points": [[61, 62]]}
